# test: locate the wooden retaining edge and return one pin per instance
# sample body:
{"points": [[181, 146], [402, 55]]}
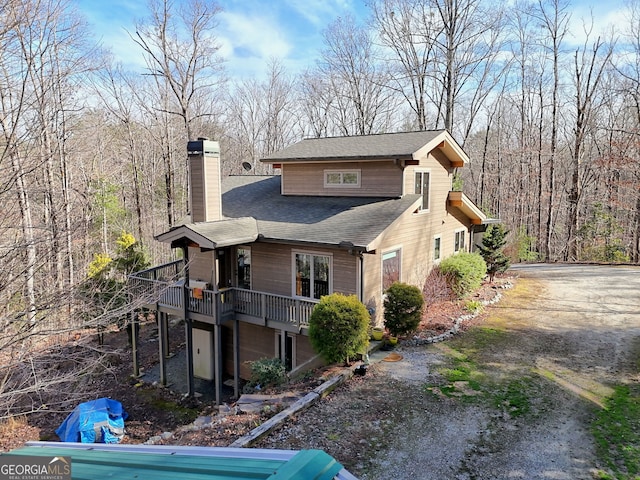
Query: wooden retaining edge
{"points": [[305, 402]]}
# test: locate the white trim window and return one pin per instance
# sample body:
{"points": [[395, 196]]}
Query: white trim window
{"points": [[342, 178], [422, 186], [460, 241], [289, 356], [312, 275], [437, 248], [391, 267]]}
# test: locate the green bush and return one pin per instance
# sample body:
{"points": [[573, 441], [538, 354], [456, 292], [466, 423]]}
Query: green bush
{"points": [[338, 327], [465, 272], [402, 308], [267, 372]]}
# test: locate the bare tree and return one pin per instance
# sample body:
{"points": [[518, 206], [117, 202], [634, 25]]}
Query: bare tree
{"points": [[408, 29], [356, 80], [554, 17], [181, 51], [261, 117], [590, 63]]}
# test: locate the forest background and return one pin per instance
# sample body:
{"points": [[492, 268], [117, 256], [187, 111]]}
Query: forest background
{"points": [[93, 155]]}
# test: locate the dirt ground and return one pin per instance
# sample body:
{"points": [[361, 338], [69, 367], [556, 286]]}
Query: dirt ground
{"points": [[544, 359]]}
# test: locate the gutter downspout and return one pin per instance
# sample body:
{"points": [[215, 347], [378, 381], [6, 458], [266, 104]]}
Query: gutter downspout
{"points": [[360, 256]]}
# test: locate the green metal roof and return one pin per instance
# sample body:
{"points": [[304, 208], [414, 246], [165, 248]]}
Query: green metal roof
{"points": [[99, 461]]}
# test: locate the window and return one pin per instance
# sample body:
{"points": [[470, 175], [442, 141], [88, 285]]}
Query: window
{"points": [[437, 240], [422, 181], [312, 275], [342, 178], [390, 268], [459, 241], [243, 258], [288, 356]]}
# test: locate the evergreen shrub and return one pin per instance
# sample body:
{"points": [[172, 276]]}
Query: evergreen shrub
{"points": [[402, 308], [465, 272], [338, 327]]}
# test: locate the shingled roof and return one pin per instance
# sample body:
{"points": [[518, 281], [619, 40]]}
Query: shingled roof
{"points": [[356, 221], [386, 145]]}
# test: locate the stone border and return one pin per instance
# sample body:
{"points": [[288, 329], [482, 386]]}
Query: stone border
{"points": [[417, 341]]}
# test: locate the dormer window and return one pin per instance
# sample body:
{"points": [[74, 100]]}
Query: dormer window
{"points": [[342, 178]]}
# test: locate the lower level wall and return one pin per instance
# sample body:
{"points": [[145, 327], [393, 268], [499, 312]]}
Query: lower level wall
{"points": [[258, 342]]}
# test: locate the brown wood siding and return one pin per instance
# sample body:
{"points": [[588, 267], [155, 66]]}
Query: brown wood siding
{"points": [[304, 350], [213, 189], [414, 233], [256, 342], [196, 165], [205, 188], [377, 179], [201, 266], [272, 266]]}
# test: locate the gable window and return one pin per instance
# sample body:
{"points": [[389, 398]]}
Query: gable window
{"points": [[390, 268], [437, 240], [312, 275], [422, 185], [342, 178], [458, 245]]}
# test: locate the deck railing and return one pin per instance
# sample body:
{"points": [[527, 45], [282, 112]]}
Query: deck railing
{"points": [[167, 272], [147, 288]]}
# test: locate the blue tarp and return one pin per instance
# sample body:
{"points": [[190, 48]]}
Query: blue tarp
{"points": [[97, 421]]}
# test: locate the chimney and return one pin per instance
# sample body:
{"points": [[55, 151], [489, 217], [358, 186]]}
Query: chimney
{"points": [[204, 171]]}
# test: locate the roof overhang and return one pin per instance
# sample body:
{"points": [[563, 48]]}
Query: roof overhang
{"points": [[212, 235], [445, 143], [332, 159], [463, 203]]}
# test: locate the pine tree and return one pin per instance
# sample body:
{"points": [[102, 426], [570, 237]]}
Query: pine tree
{"points": [[493, 243]]}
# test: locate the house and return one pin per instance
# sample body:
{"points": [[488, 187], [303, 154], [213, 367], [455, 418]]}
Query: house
{"points": [[346, 214]]}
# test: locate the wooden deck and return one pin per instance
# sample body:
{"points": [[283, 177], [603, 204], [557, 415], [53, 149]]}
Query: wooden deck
{"points": [[163, 288]]}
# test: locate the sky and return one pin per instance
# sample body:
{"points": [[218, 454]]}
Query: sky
{"points": [[251, 32]]}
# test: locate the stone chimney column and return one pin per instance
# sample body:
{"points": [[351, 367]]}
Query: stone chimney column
{"points": [[204, 171]]}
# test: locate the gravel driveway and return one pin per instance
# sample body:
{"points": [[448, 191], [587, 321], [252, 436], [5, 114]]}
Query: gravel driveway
{"points": [[543, 362]]}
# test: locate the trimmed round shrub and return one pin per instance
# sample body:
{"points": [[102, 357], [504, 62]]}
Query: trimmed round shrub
{"points": [[338, 327], [402, 308], [464, 272]]}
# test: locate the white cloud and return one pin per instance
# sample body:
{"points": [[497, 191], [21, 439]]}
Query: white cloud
{"points": [[321, 12], [594, 21], [248, 41]]}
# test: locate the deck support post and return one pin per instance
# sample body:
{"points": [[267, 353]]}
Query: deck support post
{"points": [[134, 343], [236, 358], [162, 326], [217, 352]]}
